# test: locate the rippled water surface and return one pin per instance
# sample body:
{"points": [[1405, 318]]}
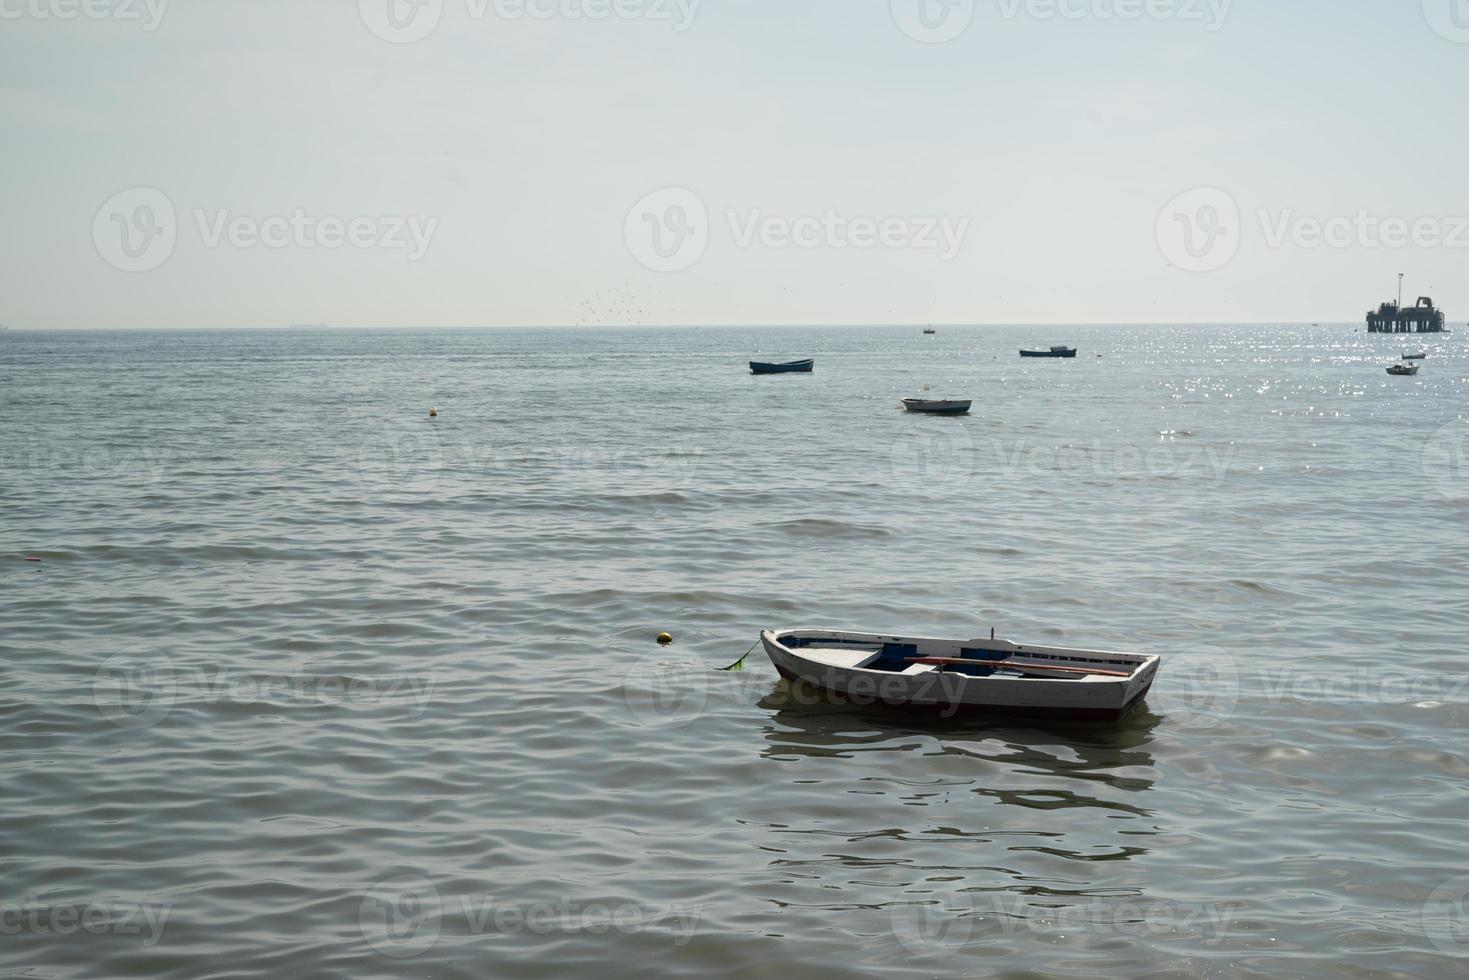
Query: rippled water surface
{"points": [[307, 683]]}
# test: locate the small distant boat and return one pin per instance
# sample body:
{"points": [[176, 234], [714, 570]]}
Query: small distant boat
{"points": [[789, 367], [1416, 357], [969, 677], [1402, 369], [930, 330], [1059, 351], [931, 406]]}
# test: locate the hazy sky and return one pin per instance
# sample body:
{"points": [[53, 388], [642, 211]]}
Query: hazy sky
{"points": [[207, 163]]}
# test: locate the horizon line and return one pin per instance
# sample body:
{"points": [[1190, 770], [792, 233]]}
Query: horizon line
{"points": [[698, 326]]}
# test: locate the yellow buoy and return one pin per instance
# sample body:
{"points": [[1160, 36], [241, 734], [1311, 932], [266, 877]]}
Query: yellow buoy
{"points": [[433, 413], [665, 638]]}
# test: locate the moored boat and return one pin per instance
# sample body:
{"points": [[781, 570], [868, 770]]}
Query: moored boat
{"points": [[1057, 351], [932, 406], [1421, 356], [962, 676], [1402, 369], [788, 367]]}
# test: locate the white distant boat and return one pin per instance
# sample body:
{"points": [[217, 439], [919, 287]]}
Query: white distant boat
{"points": [[962, 676]]}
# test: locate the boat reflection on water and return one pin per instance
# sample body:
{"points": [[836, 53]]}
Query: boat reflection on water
{"points": [[958, 840], [810, 723]]}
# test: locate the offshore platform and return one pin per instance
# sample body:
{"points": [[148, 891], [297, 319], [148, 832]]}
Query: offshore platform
{"points": [[1392, 317]]}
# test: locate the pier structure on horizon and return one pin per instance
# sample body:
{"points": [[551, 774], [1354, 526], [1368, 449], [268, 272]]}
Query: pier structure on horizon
{"points": [[1393, 317]]}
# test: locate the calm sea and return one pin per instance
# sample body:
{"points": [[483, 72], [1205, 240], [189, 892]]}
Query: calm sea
{"points": [[309, 684]]}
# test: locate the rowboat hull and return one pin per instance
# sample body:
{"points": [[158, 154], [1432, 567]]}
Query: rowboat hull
{"points": [[789, 367], [927, 407], [962, 677]]}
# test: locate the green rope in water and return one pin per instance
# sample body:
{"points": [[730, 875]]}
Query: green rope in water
{"points": [[740, 663]]}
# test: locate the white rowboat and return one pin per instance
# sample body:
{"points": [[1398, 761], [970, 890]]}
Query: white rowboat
{"points": [[950, 677]]}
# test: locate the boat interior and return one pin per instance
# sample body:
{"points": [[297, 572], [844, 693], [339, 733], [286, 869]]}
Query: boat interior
{"points": [[978, 658]]}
